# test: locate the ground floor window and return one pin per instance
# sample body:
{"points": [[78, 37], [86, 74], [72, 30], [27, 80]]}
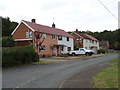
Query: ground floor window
{"points": [[42, 48], [61, 48], [69, 48]]}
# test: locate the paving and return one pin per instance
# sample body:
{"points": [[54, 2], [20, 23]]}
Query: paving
{"points": [[84, 78], [50, 75], [69, 58]]}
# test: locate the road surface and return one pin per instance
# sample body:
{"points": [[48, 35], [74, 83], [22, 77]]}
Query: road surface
{"points": [[48, 76]]}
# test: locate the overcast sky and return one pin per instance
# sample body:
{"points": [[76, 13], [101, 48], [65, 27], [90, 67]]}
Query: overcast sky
{"points": [[68, 14]]}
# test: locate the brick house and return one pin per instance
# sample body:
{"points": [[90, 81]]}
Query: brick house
{"points": [[46, 40], [83, 40]]}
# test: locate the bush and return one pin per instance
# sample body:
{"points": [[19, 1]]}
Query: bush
{"points": [[7, 42], [101, 51], [12, 56]]}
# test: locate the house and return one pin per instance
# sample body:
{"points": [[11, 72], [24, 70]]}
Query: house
{"points": [[83, 40], [46, 40], [104, 44]]}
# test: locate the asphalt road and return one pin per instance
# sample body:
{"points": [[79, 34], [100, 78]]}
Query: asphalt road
{"points": [[47, 76]]}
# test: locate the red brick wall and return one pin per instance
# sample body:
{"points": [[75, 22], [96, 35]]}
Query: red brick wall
{"points": [[20, 33], [22, 43], [47, 43], [76, 43]]}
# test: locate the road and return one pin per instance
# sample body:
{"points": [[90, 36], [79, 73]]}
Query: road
{"points": [[47, 76]]}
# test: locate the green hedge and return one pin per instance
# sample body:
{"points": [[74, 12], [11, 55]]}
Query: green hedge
{"points": [[101, 51], [7, 42], [12, 56]]}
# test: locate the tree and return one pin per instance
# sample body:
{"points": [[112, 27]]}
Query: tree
{"points": [[8, 26]]}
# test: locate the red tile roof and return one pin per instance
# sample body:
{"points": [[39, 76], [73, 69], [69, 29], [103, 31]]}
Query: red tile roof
{"points": [[47, 29], [86, 36]]}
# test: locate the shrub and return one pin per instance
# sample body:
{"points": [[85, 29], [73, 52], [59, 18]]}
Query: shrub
{"points": [[7, 42], [101, 51], [12, 56]]}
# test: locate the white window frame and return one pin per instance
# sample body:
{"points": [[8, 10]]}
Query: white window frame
{"points": [[27, 34], [43, 35], [30, 34]]}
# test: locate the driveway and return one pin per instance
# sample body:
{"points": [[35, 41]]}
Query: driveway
{"points": [[48, 76]]}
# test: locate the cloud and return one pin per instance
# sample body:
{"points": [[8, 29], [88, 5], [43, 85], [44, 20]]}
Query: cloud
{"points": [[69, 14]]}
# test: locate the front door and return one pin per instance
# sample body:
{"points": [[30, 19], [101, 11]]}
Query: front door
{"points": [[58, 51]]}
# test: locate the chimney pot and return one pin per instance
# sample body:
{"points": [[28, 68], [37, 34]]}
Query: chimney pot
{"points": [[33, 20], [53, 25]]}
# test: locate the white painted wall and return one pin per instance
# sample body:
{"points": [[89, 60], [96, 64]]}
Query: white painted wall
{"points": [[88, 43], [66, 43]]}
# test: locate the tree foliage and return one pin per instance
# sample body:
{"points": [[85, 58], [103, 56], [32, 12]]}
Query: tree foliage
{"points": [[111, 36], [8, 26]]}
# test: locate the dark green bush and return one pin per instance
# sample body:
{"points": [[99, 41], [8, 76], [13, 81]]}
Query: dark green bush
{"points": [[101, 51], [7, 42], [12, 56]]}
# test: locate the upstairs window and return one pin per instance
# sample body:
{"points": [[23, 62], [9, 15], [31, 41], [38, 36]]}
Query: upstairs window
{"points": [[59, 37], [27, 34], [30, 34], [67, 38], [96, 42], [37, 36], [43, 35], [54, 37]]}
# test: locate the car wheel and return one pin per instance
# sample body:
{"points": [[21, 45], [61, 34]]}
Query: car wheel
{"points": [[73, 54], [87, 54]]}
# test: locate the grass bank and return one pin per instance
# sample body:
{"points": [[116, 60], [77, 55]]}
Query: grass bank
{"points": [[107, 78]]}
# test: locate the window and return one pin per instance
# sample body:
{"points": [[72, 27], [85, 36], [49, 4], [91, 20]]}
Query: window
{"points": [[54, 37], [69, 48], [42, 48], [27, 34], [30, 34], [82, 50], [92, 41], [96, 42], [43, 35], [59, 37], [37, 36], [67, 38], [61, 48]]}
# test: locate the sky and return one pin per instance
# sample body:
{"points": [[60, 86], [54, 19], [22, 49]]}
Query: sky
{"points": [[66, 14]]}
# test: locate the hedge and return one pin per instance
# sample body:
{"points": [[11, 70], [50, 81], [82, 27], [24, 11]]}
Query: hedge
{"points": [[7, 42], [101, 51], [12, 56]]}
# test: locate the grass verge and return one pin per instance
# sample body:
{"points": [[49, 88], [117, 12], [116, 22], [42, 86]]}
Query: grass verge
{"points": [[107, 78]]}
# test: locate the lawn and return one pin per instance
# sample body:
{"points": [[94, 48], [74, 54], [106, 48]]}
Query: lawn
{"points": [[107, 78]]}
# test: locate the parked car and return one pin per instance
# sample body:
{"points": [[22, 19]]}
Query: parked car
{"points": [[82, 51]]}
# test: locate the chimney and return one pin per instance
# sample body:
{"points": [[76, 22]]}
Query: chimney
{"points": [[33, 20], [53, 25], [77, 30]]}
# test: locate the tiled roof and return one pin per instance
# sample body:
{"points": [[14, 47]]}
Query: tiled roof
{"points": [[47, 29], [86, 36]]}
